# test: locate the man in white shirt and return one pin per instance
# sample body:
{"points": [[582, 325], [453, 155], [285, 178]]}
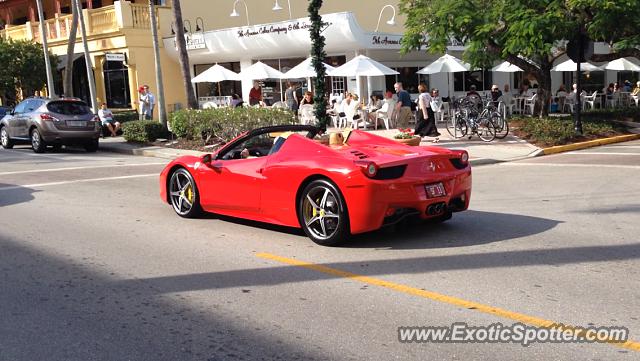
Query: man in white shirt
{"points": [[147, 103], [106, 117]]}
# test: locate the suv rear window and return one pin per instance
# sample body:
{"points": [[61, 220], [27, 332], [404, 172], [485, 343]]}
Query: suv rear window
{"points": [[69, 107]]}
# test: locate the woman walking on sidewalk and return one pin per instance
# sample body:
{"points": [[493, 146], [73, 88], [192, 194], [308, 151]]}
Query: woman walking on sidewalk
{"points": [[425, 121]]}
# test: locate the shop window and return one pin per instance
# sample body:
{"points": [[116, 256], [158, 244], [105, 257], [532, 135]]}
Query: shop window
{"points": [[592, 81], [482, 79], [224, 88], [116, 84]]}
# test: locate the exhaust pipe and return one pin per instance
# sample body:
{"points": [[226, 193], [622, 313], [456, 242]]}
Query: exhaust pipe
{"points": [[436, 209]]}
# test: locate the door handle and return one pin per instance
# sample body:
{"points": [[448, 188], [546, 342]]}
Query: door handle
{"points": [[260, 170]]}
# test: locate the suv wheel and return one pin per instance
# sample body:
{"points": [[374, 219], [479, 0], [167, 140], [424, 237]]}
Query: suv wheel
{"points": [[7, 143], [37, 143]]}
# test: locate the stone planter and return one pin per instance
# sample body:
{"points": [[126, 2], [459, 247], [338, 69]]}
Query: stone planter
{"points": [[415, 141]]}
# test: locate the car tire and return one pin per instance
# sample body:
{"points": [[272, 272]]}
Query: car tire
{"points": [[37, 143], [92, 145], [6, 142], [323, 214], [183, 194]]}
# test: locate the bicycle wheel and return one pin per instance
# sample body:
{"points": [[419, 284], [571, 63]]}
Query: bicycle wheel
{"points": [[486, 129], [501, 124], [457, 124]]}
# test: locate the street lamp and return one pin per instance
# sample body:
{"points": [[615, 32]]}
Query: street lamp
{"points": [[277, 7], [234, 13], [391, 21]]}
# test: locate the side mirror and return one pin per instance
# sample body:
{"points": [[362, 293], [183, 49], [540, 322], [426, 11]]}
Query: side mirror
{"points": [[206, 159]]}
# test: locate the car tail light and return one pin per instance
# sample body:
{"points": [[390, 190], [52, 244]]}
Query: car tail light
{"points": [[464, 157], [368, 168], [435, 190], [47, 117]]}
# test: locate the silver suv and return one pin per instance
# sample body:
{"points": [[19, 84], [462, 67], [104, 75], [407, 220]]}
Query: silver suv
{"points": [[46, 121]]}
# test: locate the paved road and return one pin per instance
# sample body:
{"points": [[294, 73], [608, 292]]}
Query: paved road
{"points": [[94, 267]]}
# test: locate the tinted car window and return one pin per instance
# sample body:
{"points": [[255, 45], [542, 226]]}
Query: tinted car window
{"points": [[32, 105], [69, 107], [20, 107]]}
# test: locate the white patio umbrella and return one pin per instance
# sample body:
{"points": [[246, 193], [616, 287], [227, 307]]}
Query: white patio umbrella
{"points": [[506, 67], [622, 64], [446, 64], [260, 70], [304, 70], [362, 66], [570, 65], [215, 74]]}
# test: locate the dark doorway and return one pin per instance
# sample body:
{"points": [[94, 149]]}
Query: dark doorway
{"points": [[80, 81], [116, 84]]}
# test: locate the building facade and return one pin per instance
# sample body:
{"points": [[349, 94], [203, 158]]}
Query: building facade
{"points": [[274, 32]]}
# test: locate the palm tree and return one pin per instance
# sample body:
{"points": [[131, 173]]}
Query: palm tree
{"points": [[67, 86], [182, 55]]}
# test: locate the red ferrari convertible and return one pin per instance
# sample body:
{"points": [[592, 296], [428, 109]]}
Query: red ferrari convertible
{"points": [[281, 175]]}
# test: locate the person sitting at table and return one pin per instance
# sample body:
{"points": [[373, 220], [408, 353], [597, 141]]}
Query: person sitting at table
{"points": [[349, 108], [236, 102], [495, 94], [472, 92], [373, 106], [609, 90], [636, 90], [307, 98], [374, 103], [627, 86], [616, 87], [561, 94]]}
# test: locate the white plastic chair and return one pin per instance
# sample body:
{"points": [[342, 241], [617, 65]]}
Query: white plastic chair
{"points": [[306, 114], [569, 102], [591, 100], [385, 114], [281, 105], [530, 103], [209, 105]]}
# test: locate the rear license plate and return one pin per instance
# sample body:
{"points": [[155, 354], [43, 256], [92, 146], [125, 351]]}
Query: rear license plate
{"points": [[76, 123], [435, 190]]}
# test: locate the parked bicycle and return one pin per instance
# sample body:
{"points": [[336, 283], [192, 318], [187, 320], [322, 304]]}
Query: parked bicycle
{"points": [[469, 118]]}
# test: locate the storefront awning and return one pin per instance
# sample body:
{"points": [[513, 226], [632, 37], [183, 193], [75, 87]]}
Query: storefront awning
{"points": [[282, 39]]}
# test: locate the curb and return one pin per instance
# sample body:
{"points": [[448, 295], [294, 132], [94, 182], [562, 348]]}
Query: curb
{"points": [[588, 144], [157, 153]]}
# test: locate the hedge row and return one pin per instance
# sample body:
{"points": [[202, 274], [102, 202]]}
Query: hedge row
{"points": [[560, 130], [142, 131], [220, 125]]}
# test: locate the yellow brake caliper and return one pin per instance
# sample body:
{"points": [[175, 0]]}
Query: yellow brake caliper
{"points": [[190, 194]]}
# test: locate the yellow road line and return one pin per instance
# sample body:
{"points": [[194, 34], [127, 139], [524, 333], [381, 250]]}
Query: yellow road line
{"points": [[530, 320]]}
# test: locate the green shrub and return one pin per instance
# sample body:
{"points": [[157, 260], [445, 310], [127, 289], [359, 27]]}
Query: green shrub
{"points": [[142, 131], [220, 125], [125, 116], [560, 130]]}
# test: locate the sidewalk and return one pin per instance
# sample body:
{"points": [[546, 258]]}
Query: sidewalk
{"points": [[499, 150]]}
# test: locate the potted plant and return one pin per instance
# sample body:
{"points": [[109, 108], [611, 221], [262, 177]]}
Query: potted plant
{"points": [[406, 136]]}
